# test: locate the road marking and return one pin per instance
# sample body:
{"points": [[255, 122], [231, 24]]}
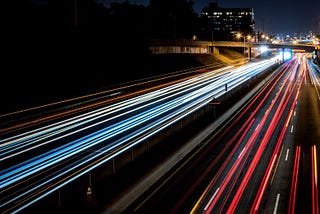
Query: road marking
{"points": [[211, 199], [291, 128], [241, 152], [276, 204], [287, 154], [257, 127]]}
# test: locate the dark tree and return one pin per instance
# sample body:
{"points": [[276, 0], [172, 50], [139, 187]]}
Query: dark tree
{"points": [[172, 19]]}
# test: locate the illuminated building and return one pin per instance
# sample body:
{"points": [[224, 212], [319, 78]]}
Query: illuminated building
{"points": [[225, 22]]}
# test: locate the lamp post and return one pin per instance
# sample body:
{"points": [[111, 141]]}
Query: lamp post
{"points": [[249, 49], [244, 46], [211, 36], [244, 43]]}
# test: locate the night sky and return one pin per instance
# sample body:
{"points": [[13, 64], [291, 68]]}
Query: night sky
{"points": [[271, 16]]}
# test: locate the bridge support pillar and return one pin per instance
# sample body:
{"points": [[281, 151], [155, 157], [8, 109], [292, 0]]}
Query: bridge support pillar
{"points": [[214, 50], [282, 54]]}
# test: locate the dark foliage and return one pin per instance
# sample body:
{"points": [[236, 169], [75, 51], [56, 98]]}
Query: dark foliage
{"points": [[63, 48]]}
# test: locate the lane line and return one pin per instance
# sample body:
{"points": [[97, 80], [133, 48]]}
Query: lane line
{"points": [[287, 154], [276, 204]]}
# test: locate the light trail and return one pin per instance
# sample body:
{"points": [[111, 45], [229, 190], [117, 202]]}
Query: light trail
{"points": [[294, 182], [314, 177], [279, 111], [223, 185], [258, 198], [110, 130]]}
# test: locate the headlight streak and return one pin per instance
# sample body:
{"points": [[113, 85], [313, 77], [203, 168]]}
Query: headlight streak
{"points": [[185, 99], [117, 106], [315, 76], [100, 162], [72, 148], [106, 133], [101, 114], [87, 119]]}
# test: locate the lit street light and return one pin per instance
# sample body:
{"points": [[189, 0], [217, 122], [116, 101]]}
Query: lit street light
{"points": [[239, 35]]}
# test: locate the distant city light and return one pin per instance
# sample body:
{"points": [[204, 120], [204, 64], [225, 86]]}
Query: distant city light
{"points": [[286, 55], [263, 49]]}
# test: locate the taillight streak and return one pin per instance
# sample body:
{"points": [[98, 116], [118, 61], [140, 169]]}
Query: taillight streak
{"points": [[238, 165], [281, 107], [314, 177], [257, 201], [213, 163], [274, 81], [294, 182]]}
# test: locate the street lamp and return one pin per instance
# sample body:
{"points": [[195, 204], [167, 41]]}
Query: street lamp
{"points": [[211, 36], [244, 43]]}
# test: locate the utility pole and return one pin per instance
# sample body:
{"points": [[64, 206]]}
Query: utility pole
{"points": [[211, 36], [244, 45]]}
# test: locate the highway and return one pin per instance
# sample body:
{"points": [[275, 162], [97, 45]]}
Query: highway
{"points": [[263, 160], [41, 156], [298, 155]]}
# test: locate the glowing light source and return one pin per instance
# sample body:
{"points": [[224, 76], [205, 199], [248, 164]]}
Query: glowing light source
{"points": [[287, 55], [263, 49]]}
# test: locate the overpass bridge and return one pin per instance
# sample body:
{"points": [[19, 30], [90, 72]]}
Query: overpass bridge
{"points": [[160, 46]]}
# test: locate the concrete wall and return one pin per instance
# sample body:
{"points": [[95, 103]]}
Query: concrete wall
{"points": [[179, 49]]}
